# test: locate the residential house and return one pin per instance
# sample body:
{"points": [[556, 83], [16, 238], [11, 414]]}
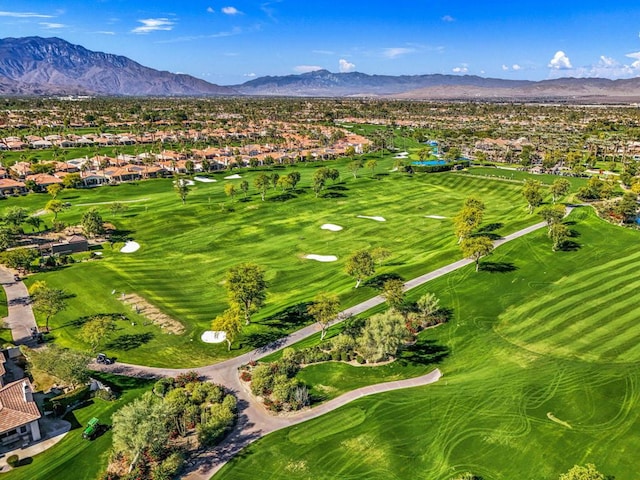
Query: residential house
{"points": [[19, 414], [43, 180], [9, 186]]}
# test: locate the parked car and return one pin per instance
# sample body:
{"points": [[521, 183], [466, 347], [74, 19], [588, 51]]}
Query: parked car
{"points": [[103, 359]]}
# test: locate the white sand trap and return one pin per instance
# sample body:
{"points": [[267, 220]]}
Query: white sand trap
{"points": [[232, 177], [331, 226], [394, 169], [211, 336], [130, 247], [204, 179], [377, 219], [189, 182], [437, 217], [321, 258]]}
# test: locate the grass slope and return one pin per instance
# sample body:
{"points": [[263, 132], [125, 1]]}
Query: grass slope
{"points": [[74, 457], [528, 390], [186, 249]]}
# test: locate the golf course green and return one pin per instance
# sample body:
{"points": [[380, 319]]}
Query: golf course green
{"points": [[541, 374], [186, 250]]}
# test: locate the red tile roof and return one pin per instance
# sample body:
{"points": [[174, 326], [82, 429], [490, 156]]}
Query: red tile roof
{"points": [[14, 410]]}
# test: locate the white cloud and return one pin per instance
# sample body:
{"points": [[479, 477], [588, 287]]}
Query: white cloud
{"points": [[560, 61], [24, 15], [505, 67], [606, 67], [306, 68], [52, 26], [448, 19], [397, 51], [346, 66], [231, 11], [463, 68], [210, 10], [516, 67], [153, 25], [105, 32], [250, 75]]}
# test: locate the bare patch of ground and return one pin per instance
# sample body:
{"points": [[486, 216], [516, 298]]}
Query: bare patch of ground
{"points": [[144, 308]]}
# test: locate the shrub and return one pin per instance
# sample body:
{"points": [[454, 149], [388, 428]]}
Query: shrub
{"points": [[163, 386], [13, 461], [184, 378], [245, 376], [71, 398], [344, 357], [360, 359], [103, 394]]}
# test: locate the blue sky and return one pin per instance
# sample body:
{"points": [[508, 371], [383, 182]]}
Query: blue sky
{"points": [[233, 41]]}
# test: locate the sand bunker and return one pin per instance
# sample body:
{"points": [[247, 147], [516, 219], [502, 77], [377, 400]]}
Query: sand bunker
{"points": [[321, 258], [232, 177], [144, 308], [437, 217], [204, 179], [191, 183], [130, 247], [211, 336], [331, 226], [377, 219]]}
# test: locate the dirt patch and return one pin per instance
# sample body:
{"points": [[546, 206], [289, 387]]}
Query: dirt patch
{"points": [[144, 308]]}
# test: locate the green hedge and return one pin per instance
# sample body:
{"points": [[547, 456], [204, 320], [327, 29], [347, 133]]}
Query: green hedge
{"points": [[63, 401]]}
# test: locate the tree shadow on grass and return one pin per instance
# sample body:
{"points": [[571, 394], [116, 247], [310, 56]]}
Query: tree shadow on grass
{"points": [[333, 195], [498, 267], [337, 188], [491, 236], [293, 316], [492, 227], [379, 280], [265, 341], [423, 352], [569, 246], [78, 322], [282, 197], [130, 341]]}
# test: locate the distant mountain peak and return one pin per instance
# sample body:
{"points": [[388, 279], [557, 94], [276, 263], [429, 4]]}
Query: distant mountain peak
{"points": [[54, 65]]}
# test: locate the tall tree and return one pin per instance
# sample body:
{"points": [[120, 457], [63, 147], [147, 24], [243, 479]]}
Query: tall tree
{"points": [[354, 166], [324, 309], [372, 165], [246, 288], [47, 300], [262, 182], [532, 192], [55, 207], [230, 190], [552, 214], [97, 329], [360, 265], [476, 248], [140, 425], [393, 293], [230, 323], [92, 223], [181, 187], [382, 336], [15, 216], [469, 218], [559, 188], [54, 189], [244, 187], [558, 233]]}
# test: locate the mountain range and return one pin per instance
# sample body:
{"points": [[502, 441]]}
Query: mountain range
{"points": [[52, 66]]}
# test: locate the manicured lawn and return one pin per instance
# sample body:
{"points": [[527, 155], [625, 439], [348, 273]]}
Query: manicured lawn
{"points": [[542, 373], [186, 249], [516, 175], [74, 457], [4, 310]]}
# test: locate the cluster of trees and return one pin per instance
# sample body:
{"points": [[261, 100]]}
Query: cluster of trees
{"points": [[532, 191], [276, 384], [143, 430], [69, 367], [47, 300]]}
